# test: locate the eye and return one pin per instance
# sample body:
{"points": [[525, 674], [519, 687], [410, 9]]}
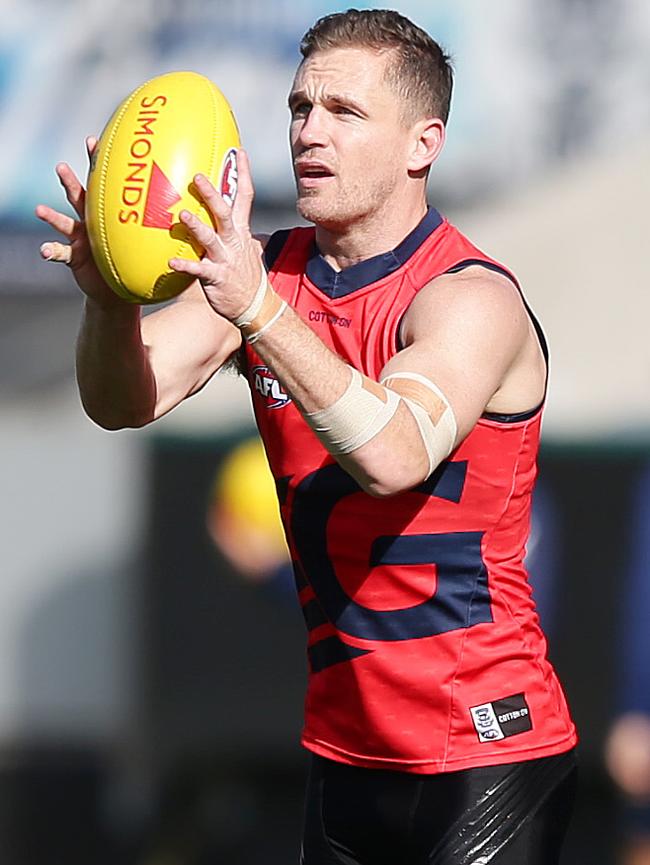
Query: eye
{"points": [[300, 109]]}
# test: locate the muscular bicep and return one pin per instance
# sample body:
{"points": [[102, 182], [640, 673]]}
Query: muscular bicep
{"points": [[464, 333], [186, 343]]}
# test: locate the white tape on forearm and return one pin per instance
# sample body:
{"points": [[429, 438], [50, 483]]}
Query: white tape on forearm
{"points": [[435, 418], [362, 412]]}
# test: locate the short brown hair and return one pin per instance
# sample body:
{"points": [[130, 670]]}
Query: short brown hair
{"points": [[420, 70]]}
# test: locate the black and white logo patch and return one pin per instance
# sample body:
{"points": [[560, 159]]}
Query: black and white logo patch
{"points": [[501, 718]]}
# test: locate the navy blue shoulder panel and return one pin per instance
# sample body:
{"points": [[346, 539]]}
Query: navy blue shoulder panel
{"points": [[274, 246]]}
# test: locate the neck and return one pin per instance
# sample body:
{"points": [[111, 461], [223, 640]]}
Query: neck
{"points": [[345, 245]]}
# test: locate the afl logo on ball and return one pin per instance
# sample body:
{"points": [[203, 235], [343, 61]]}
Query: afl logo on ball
{"points": [[269, 388], [229, 177]]}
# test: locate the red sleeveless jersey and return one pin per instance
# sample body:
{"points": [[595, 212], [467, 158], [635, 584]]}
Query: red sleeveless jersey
{"points": [[425, 651]]}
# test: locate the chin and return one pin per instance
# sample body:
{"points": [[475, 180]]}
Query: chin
{"points": [[323, 213]]}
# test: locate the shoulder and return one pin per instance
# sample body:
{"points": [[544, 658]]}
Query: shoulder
{"points": [[297, 240], [474, 297]]}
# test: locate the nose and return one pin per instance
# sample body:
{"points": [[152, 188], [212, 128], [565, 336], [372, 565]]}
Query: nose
{"points": [[312, 129]]}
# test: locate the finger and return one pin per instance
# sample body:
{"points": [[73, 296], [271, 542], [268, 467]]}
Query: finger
{"points": [[204, 234], [74, 191], [241, 210], [215, 203], [200, 269], [55, 251], [91, 145], [60, 222]]}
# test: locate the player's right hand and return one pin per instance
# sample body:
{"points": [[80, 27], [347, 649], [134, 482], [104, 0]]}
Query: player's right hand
{"points": [[75, 252]]}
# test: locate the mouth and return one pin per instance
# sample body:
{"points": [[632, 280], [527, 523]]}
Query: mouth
{"points": [[312, 174]]}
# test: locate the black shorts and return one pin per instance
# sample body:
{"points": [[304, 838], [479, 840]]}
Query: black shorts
{"points": [[515, 814]]}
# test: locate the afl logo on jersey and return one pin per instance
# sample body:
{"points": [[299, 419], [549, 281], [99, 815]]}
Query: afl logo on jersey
{"points": [[269, 388]]}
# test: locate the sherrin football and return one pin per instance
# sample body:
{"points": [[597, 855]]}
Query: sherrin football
{"points": [[169, 129]]}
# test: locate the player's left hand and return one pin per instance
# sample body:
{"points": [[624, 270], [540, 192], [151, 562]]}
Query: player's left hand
{"points": [[231, 266]]}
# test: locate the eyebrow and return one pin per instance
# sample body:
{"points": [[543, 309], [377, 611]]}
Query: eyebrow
{"points": [[297, 96]]}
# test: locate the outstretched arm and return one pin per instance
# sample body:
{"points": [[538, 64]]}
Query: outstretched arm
{"points": [[133, 369]]}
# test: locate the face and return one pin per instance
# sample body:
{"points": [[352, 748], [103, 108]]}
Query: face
{"points": [[349, 142]]}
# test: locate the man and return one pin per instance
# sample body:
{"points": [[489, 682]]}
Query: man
{"points": [[402, 435]]}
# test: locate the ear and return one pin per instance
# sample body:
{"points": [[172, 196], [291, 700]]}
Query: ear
{"points": [[428, 141]]}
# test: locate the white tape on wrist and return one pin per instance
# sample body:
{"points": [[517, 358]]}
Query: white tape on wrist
{"points": [[363, 410], [262, 313], [255, 335], [250, 313], [431, 410]]}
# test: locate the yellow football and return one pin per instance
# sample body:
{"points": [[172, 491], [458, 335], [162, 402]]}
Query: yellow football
{"points": [[169, 129]]}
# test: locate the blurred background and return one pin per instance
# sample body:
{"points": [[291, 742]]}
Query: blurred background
{"points": [[151, 675]]}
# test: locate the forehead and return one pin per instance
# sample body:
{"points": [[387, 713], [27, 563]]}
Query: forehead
{"points": [[355, 71]]}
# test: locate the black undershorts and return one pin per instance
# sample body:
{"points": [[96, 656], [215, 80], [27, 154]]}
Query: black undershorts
{"points": [[515, 814]]}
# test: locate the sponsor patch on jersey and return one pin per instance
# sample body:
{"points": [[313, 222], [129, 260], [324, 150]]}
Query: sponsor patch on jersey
{"points": [[501, 718], [268, 387], [330, 318]]}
